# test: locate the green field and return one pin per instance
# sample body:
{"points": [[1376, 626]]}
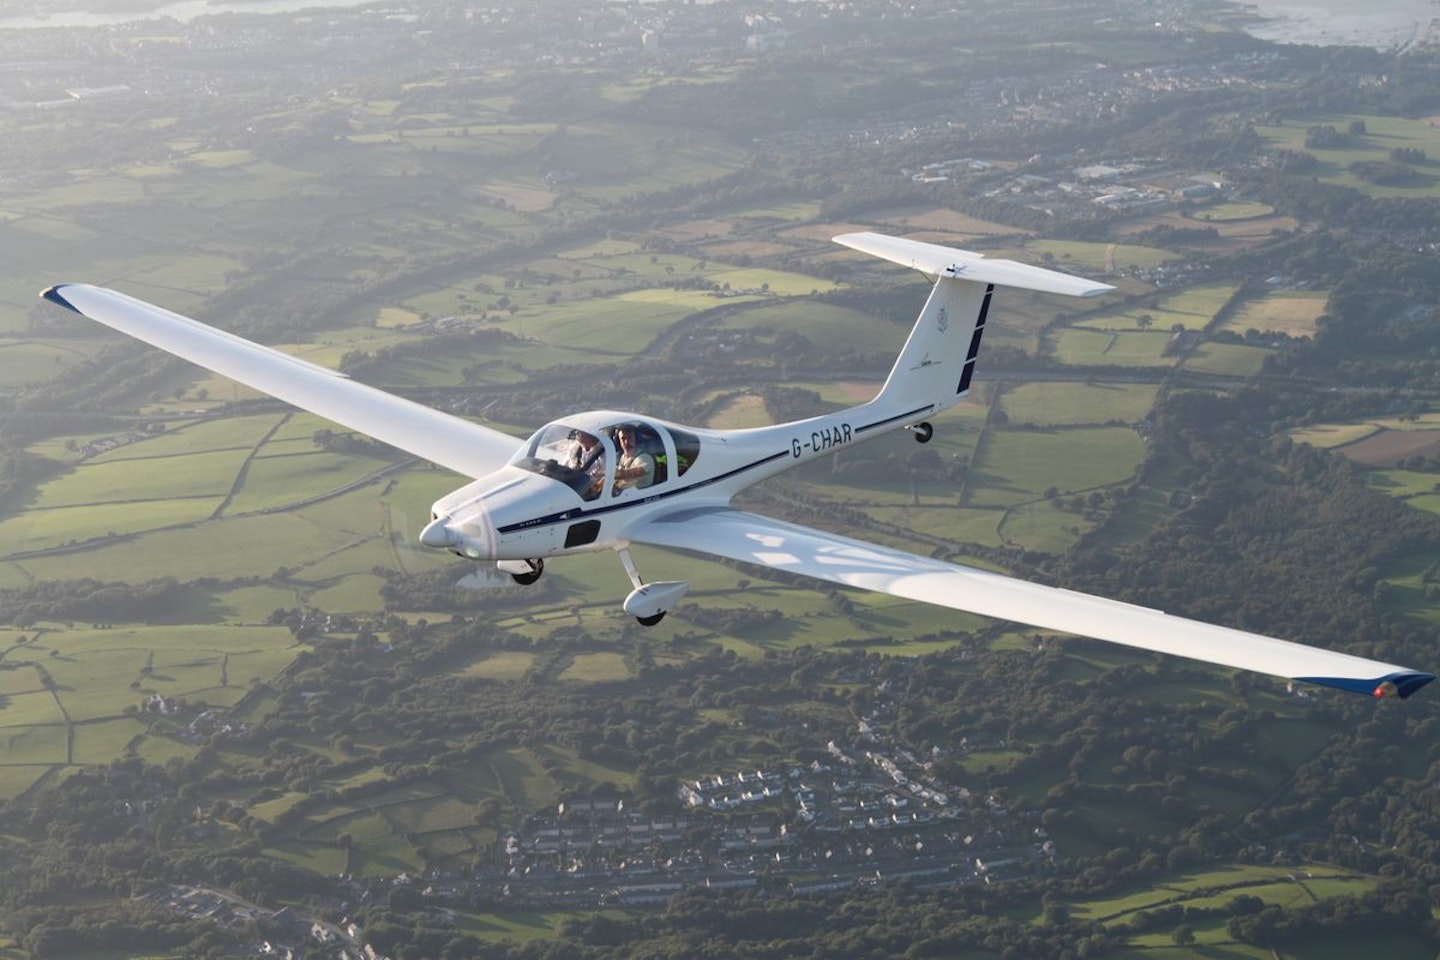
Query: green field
{"points": [[1019, 465], [1291, 312], [201, 437], [1328, 435], [1098, 348], [1226, 359], [24, 362], [1382, 134], [99, 673], [33, 745], [597, 668], [1191, 309], [1071, 404], [1282, 885], [830, 330], [1097, 258], [23, 709], [201, 475], [1224, 212]]}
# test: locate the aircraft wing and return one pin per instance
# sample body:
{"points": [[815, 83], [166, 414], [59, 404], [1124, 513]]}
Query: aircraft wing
{"points": [[462, 446], [727, 532]]}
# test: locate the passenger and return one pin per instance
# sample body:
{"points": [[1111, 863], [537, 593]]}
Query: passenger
{"points": [[636, 468], [588, 456]]}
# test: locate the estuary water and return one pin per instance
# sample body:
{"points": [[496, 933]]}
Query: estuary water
{"points": [[1382, 24], [182, 10]]}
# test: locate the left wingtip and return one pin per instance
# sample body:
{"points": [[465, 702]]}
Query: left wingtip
{"points": [[56, 295]]}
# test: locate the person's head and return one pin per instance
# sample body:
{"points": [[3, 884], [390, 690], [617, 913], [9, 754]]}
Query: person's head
{"points": [[626, 437], [587, 440]]}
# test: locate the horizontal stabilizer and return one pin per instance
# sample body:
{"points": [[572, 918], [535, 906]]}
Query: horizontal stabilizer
{"points": [[938, 261]]}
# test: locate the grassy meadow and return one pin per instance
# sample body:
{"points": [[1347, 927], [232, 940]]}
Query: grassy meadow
{"points": [[1190, 309], [1291, 886], [1382, 134], [1291, 312]]}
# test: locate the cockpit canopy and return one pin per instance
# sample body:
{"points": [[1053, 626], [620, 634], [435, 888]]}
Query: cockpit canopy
{"points": [[611, 457]]}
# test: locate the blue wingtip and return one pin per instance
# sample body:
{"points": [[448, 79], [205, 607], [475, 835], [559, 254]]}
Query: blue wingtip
{"points": [[54, 295], [1393, 685]]}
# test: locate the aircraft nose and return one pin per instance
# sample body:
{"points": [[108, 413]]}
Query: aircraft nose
{"points": [[473, 536], [437, 533]]}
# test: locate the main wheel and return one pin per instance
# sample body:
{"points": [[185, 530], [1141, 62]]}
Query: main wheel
{"points": [[923, 432], [537, 567], [651, 621]]}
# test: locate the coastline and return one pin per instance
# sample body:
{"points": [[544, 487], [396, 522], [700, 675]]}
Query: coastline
{"points": [[1391, 26], [182, 10]]}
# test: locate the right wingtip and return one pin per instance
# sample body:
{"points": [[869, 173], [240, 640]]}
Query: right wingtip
{"points": [[1401, 684], [1408, 683]]}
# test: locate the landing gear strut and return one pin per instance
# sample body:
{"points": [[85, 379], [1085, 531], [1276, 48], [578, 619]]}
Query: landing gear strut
{"points": [[922, 431], [649, 602], [523, 572]]}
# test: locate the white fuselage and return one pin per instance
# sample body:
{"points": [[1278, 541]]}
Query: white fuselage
{"points": [[531, 508]]}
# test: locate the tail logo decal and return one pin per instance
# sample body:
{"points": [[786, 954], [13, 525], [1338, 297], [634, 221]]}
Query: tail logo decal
{"points": [[942, 320]]}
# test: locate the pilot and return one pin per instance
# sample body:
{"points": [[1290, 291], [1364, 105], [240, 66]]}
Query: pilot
{"points": [[589, 456], [636, 468]]}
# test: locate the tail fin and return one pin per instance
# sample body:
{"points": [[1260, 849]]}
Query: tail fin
{"points": [[934, 368]]}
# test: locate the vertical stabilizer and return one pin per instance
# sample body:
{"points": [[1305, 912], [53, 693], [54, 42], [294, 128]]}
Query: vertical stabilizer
{"points": [[934, 369], [938, 361]]}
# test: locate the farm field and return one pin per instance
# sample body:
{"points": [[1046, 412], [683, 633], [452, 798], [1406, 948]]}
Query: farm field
{"points": [[1290, 312], [1191, 309], [1226, 359], [1285, 885], [1020, 465], [1098, 258], [1395, 451], [1083, 347], [1382, 134], [1075, 404], [99, 672], [1230, 234]]}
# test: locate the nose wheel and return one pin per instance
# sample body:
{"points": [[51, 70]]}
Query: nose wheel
{"points": [[922, 431], [523, 572]]}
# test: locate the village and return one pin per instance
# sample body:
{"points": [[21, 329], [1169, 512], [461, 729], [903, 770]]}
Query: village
{"points": [[870, 813]]}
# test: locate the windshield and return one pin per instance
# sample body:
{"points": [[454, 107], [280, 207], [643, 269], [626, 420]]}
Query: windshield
{"points": [[574, 457]]}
